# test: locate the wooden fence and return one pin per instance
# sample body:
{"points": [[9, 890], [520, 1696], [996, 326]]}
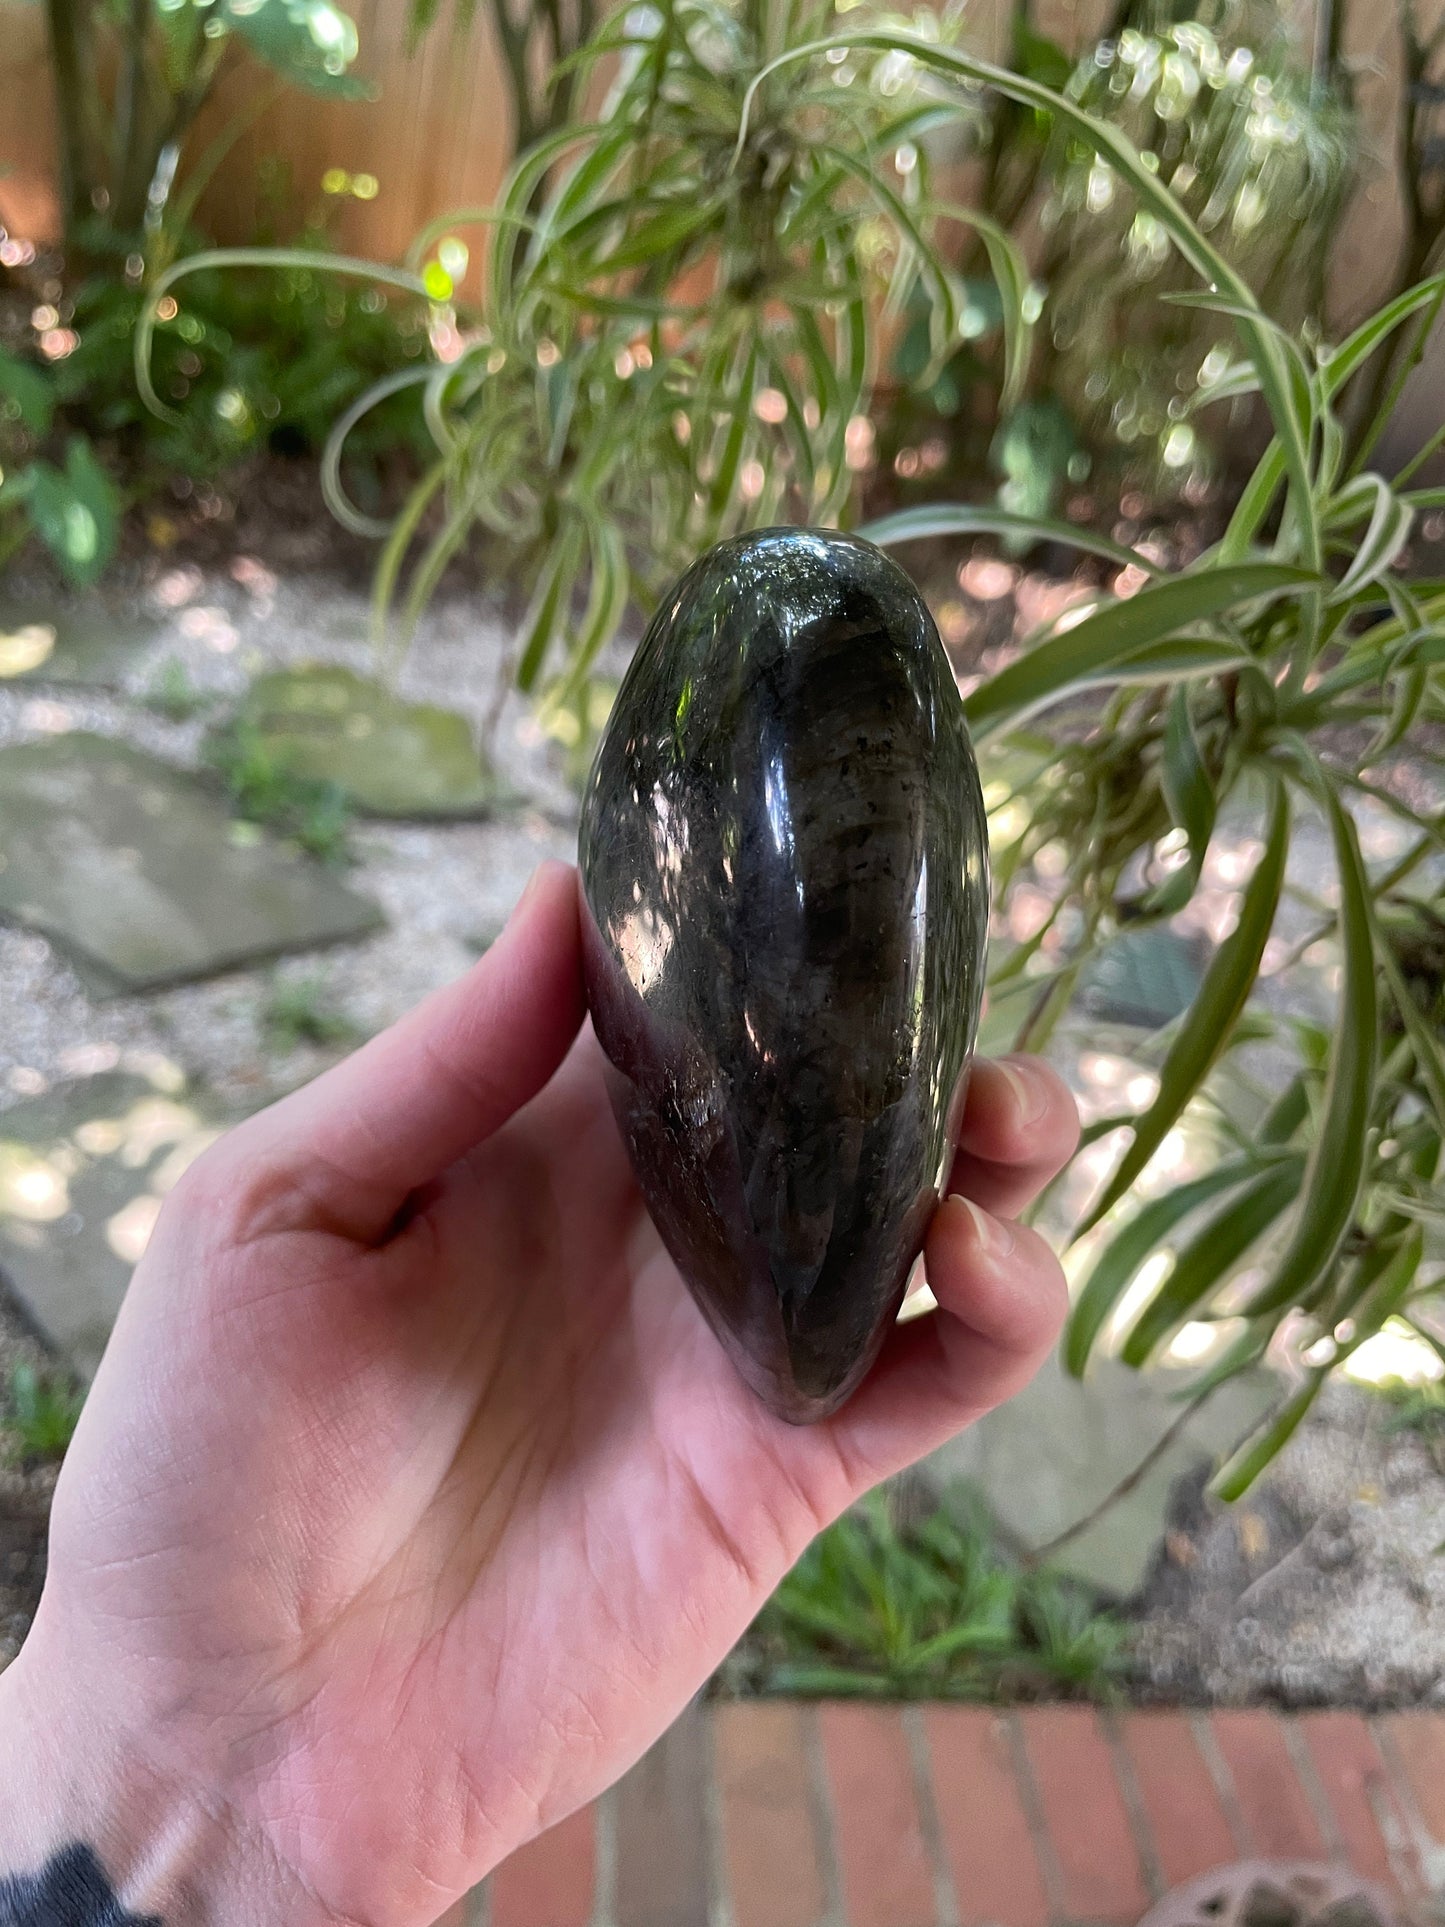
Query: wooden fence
{"points": [[438, 136]]}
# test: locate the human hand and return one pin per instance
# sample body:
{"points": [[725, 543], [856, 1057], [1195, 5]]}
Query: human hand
{"points": [[413, 1497]]}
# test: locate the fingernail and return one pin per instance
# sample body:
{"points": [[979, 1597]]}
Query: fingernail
{"points": [[1028, 1089], [995, 1237], [529, 890]]}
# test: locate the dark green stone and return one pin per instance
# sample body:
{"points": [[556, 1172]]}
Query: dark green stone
{"points": [[784, 865]]}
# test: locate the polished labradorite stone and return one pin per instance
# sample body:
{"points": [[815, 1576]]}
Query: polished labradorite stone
{"points": [[784, 867]]}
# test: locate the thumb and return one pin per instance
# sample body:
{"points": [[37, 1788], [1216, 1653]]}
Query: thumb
{"points": [[352, 1146]]}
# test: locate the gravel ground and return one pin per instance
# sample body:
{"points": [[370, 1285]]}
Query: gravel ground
{"points": [[446, 889], [1325, 1584]]}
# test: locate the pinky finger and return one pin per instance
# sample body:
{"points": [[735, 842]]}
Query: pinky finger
{"points": [[1001, 1302]]}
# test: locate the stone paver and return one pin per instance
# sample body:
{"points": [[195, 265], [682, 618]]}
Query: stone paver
{"points": [[83, 1171], [390, 758], [80, 644], [1010, 1791], [1044, 1459], [1145, 978], [137, 870]]}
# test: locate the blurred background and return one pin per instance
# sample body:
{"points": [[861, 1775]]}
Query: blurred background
{"points": [[366, 377]]}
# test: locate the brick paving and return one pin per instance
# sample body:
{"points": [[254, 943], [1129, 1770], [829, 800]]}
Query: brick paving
{"points": [[777, 1814]]}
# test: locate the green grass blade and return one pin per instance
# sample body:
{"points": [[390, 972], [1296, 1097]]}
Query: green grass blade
{"points": [[1355, 350], [1110, 636], [1206, 1029], [1337, 1160], [735, 442], [1428, 1047], [1189, 792], [1387, 1290], [1386, 535], [982, 518], [1011, 276], [314, 258], [545, 616], [334, 495], [1115, 149], [1139, 1239], [1244, 1466], [606, 602], [1213, 1252]]}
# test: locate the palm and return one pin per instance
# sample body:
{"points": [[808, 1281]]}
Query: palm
{"points": [[443, 1513]]}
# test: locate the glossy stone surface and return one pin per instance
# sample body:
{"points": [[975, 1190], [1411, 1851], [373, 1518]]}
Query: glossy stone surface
{"points": [[784, 869]]}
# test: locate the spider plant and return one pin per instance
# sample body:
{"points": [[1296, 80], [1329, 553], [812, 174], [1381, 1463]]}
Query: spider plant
{"points": [[1292, 670], [686, 301]]}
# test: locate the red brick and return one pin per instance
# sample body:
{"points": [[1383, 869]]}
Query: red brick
{"points": [[1085, 1814], [886, 1877], [1187, 1821], [1417, 1741], [1347, 1762], [548, 1883], [1273, 1807], [662, 1844], [981, 1815], [770, 1844]]}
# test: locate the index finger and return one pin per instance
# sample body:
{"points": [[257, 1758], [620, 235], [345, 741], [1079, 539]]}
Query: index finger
{"points": [[1020, 1128]]}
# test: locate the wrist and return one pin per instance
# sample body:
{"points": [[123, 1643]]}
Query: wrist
{"points": [[166, 1852]]}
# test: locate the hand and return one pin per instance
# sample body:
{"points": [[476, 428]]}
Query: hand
{"points": [[413, 1497]]}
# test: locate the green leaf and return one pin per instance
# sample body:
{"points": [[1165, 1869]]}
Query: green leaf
{"points": [[27, 387], [658, 236], [1180, 658], [1139, 1239], [1337, 1160], [1388, 529], [1356, 349], [740, 400], [548, 610], [1244, 1466], [1286, 1114], [1010, 272], [1213, 1252], [1190, 795], [1238, 379], [76, 513], [1292, 427], [986, 518], [607, 599], [1117, 631], [1205, 1030], [1428, 1047], [1388, 1290], [311, 43]]}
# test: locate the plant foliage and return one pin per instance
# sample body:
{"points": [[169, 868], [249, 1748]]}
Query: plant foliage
{"points": [[683, 340], [932, 1611], [44, 1409], [1277, 677]]}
